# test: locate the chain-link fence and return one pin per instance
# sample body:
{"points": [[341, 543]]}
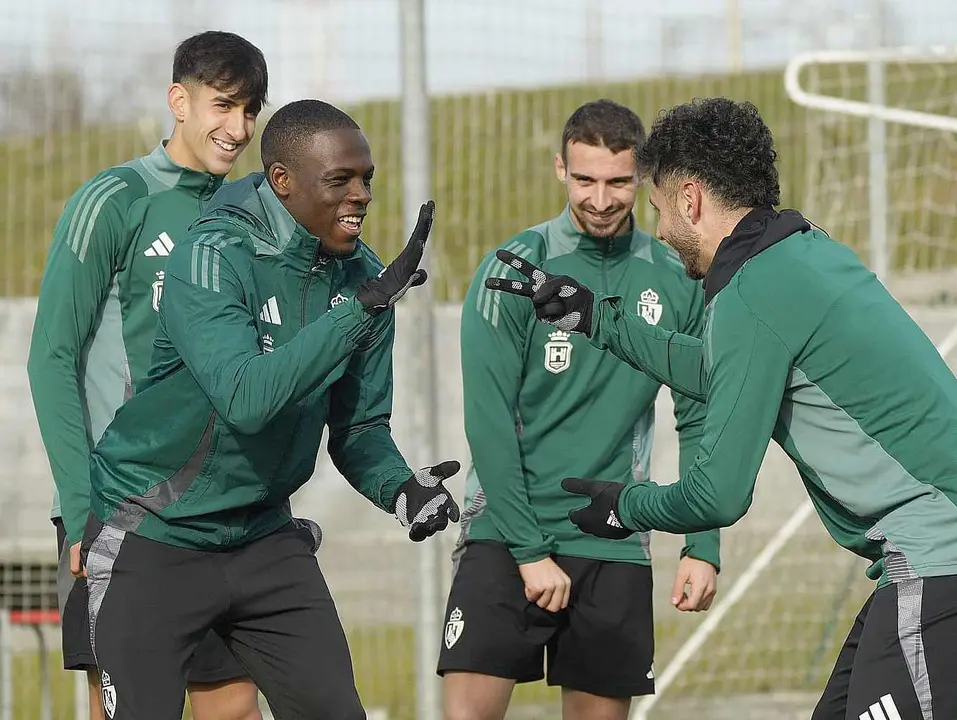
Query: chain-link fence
{"points": [[82, 86]]}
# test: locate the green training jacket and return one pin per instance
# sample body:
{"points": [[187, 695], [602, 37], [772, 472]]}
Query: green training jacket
{"points": [[96, 314], [541, 404], [803, 344], [260, 345]]}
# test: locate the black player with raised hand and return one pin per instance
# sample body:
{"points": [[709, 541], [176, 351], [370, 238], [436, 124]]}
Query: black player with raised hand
{"points": [[277, 323]]}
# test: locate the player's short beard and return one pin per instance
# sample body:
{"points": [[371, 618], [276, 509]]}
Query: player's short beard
{"points": [[610, 231], [687, 244]]}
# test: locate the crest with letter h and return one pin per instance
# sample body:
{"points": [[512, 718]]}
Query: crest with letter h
{"points": [[558, 352]]}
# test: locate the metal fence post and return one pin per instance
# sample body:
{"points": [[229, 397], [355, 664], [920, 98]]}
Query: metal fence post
{"points": [[416, 189]]}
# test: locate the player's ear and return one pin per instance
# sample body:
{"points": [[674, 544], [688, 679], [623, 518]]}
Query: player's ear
{"points": [[280, 180], [177, 99], [690, 199], [560, 171]]}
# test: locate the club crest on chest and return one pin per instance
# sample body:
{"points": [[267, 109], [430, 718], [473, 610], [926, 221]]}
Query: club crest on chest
{"points": [[649, 307], [558, 352]]}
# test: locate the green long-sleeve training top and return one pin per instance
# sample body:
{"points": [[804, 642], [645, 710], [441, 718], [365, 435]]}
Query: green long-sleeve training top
{"points": [[541, 404], [804, 345]]}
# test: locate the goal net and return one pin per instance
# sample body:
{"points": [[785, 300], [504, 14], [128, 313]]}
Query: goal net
{"points": [[881, 167]]}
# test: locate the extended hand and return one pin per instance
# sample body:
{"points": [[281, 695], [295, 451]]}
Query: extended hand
{"points": [[423, 504], [558, 299], [600, 517], [380, 293]]}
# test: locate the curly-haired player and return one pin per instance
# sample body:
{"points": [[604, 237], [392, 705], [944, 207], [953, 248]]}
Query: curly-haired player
{"points": [[802, 344]]}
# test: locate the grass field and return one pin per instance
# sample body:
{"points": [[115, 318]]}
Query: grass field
{"points": [[491, 158]]}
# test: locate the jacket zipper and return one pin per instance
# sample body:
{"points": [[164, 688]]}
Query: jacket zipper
{"points": [[313, 268], [604, 276], [204, 195]]}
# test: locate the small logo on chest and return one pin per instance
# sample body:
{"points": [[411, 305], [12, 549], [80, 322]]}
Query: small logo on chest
{"points": [[158, 290], [338, 300], [270, 312], [558, 352], [160, 247], [649, 308]]}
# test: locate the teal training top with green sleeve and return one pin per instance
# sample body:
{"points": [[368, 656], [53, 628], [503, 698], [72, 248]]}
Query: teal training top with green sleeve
{"points": [[97, 310], [804, 345]]}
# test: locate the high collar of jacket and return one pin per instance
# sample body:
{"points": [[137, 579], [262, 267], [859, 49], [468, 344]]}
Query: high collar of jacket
{"points": [[171, 174], [755, 232], [252, 201], [596, 247]]}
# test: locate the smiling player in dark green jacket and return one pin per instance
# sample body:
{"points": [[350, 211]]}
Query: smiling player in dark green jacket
{"points": [[804, 345], [276, 322]]}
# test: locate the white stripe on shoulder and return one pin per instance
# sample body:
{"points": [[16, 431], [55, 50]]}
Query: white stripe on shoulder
{"points": [[107, 192], [84, 206], [523, 251]]}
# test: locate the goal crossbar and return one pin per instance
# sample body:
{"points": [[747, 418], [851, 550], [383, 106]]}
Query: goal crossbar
{"points": [[816, 101]]}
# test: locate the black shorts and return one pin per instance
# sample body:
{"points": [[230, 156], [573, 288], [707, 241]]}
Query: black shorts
{"points": [[151, 605], [602, 643], [211, 663], [895, 662]]}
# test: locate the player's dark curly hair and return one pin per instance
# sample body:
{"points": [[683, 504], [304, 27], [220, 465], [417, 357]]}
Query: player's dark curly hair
{"points": [[603, 122], [721, 143], [293, 123], [225, 61]]}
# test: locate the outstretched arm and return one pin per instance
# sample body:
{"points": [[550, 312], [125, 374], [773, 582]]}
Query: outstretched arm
{"points": [[206, 319], [749, 373], [669, 357]]}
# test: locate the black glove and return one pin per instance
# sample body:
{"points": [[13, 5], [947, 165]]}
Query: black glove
{"points": [[380, 293], [423, 504], [559, 300], [600, 516]]}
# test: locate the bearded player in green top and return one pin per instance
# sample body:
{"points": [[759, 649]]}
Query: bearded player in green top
{"points": [[802, 344], [96, 318]]}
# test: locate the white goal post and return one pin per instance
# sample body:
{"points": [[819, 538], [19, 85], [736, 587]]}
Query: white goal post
{"points": [[877, 111], [869, 110]]}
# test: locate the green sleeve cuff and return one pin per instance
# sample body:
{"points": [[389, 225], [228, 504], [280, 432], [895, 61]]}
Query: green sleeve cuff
{"points": [[352, 320], [390, 488], [525, 555], [704, 546]]}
